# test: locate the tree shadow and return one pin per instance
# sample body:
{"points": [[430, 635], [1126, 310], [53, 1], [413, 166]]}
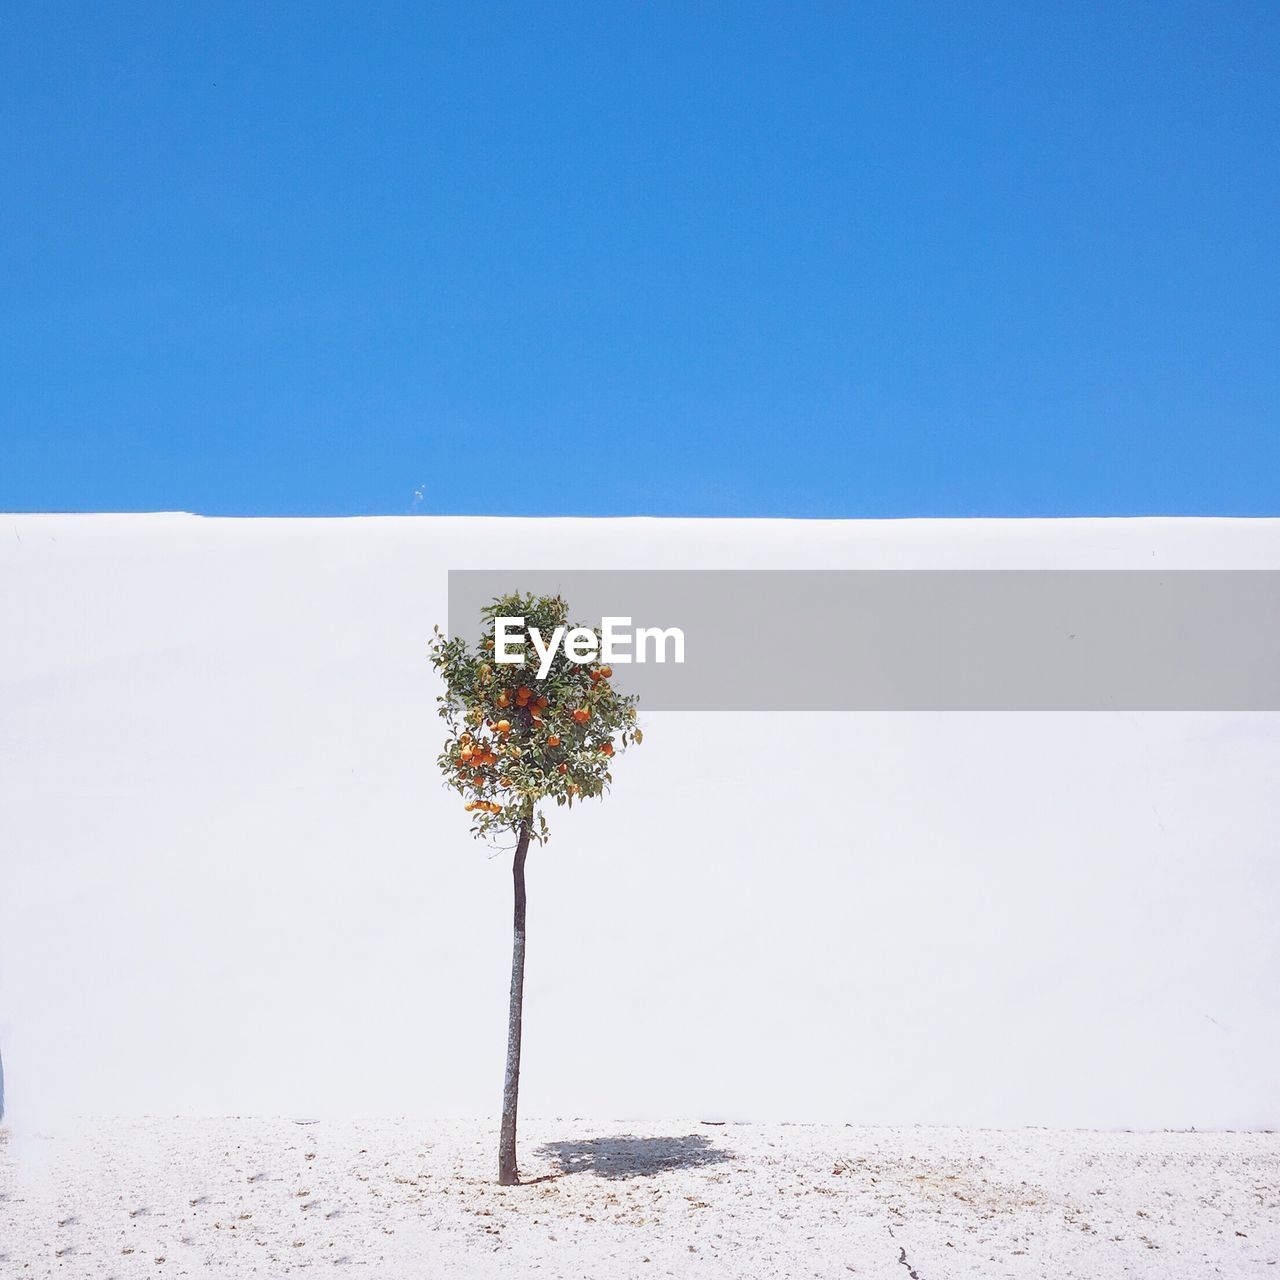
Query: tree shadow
{"points": [[626, 1156]]}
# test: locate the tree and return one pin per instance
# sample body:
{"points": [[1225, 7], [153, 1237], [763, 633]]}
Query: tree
{"points": [[515, 740]]}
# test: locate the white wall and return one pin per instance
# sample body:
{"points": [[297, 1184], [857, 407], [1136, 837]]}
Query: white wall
{"points": [[233, 883]]}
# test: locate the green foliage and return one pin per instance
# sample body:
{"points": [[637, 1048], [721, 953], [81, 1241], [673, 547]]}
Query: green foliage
{"points": [[515, 740]]}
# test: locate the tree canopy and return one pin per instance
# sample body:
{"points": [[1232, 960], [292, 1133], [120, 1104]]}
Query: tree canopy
{"points": [[516, 739]]}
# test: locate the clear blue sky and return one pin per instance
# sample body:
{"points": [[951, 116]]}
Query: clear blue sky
{"points": [[713, 259]]}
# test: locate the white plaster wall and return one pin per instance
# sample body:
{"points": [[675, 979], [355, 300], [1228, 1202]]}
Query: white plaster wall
{"points": [[231, 882]]}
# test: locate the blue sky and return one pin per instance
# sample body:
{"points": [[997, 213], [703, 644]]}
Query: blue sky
{"points": [[734, 259]]}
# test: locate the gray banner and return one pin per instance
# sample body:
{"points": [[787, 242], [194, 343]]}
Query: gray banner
{"points": [[927, 640]]}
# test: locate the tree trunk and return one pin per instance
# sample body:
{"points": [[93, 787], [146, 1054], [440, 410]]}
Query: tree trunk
{"points": [[508, 1175]]}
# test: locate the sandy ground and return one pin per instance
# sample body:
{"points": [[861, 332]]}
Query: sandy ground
{"points": [[247, 1197]]}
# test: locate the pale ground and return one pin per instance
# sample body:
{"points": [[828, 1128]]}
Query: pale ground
{"points": [[408, 1199]]}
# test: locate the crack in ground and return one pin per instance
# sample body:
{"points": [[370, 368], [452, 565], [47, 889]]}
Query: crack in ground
{"points": [[902, 1257]]}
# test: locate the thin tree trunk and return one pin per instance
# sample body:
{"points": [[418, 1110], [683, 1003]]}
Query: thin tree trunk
{"points": [[508, 1175]]}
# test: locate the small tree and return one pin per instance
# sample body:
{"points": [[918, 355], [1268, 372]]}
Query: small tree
{"points": [[514, 741]]}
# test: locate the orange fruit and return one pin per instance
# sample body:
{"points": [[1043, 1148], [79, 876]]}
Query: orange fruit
{"points": [[544, 701], [607, 749], [582, 715], [553, 740], [503, 726], [606, 672], [562, 767]]}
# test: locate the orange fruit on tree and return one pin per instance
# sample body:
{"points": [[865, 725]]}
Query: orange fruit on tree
{"points": [[581, 715], [503, 726], [553, 740], [606, 672], [607, 749], [562, 767]]}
